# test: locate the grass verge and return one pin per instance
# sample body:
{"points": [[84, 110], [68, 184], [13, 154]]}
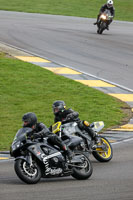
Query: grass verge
{"points": [[26, 87], [84, 8]]}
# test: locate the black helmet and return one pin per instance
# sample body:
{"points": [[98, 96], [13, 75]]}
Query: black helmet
{"points": [[58, 106], [30, 118]]}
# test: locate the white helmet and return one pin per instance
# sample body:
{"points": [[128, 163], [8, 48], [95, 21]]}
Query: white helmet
{"points": [[109, 3]]}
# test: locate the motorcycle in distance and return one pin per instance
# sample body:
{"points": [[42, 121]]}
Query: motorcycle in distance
{"points": [[36, 159], [104, 18], [102, 151]]}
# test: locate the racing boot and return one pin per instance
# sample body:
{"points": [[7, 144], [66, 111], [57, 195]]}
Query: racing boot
{"points": [[68, 152]]}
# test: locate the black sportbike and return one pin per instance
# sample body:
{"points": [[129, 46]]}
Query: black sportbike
{"points": [[36, 159], [103, 21]]}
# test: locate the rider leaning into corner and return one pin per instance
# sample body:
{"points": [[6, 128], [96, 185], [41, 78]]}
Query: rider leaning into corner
{"points": [[39, 130], [68, 115], [108, 6]]}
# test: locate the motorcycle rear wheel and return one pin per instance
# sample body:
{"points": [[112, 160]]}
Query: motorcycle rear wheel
{"points": [[103, 155], [86, 171], [28, 174]]}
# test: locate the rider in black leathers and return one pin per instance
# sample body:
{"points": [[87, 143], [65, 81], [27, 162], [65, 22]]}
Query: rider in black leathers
{"points": [[62, 114], [107, 6], [68, 115], [39, 130]]}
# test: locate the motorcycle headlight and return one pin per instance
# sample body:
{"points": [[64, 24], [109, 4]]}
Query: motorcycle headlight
{"points": [[103, 17], [16, 145]]}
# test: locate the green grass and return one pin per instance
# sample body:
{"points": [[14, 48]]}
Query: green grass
{"points": [[26, 87], [80, 8]]}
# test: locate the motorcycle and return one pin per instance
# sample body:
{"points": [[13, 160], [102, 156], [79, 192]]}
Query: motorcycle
{"points": [[103, 21], [36, 159], [102, 151]]}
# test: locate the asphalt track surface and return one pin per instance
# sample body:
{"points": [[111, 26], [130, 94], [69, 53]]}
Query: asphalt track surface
{"points": [[73, 42], [109, 181]]}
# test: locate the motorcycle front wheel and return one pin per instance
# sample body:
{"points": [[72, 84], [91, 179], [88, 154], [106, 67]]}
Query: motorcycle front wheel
{"points": [[101, 27], [83, 170], [30, 174], [104, 151], [101, 31]]}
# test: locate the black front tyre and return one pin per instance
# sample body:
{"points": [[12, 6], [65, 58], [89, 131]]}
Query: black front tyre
{"points": [[83, 170], [98, 31], [28, 174], [101, 31], [101, 27]]}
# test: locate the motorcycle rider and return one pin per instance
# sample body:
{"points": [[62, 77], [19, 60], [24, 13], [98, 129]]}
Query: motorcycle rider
{"points": [[39, 130], [62, 114], [68, 115], [107, 6]]}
